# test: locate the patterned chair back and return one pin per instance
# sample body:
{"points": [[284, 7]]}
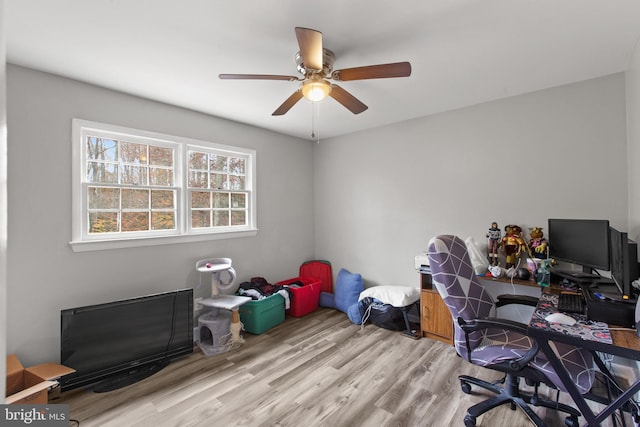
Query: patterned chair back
{"points": [[456, 282]]}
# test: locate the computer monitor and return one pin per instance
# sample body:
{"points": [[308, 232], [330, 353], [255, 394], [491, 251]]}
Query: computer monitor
{"points": [[584, 242], [623, 261]]}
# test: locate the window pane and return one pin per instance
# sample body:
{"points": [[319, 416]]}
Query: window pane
{"points": [[162, 199], [200, 219], [198, 179], [135, 199], [133, 175], [101, 149], [220, 218], [200, 199], [238, 218], [236, 182], [163, 221], [135, 221], [160, 156], [161, 177], [237, 166], [220, 200], [133, 153], [217, 163], [103, 222], [238, 200], [103, 198], [102, 172], [197, 160], [218, 181]]}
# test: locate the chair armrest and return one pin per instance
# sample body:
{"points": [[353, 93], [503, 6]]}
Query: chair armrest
{"points": [[507, 299], [491, 322], [472, 325]]}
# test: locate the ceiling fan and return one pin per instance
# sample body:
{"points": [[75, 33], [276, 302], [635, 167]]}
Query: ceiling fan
{"points": [[315, 63]]}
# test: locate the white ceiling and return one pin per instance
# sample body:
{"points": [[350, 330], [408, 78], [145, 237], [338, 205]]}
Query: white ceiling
{"points": [[462, 52]]}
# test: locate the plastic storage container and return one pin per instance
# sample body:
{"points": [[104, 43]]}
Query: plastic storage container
{"points": [[304, 299], [259, 316], [319, 269]]}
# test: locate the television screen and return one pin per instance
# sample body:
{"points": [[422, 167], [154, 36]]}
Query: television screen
{"points": [[584, 242], [102, 340]]}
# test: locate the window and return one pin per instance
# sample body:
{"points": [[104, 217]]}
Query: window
{"points": [[135, 188]]}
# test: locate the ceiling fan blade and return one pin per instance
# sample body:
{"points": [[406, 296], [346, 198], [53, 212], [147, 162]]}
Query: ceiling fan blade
{"points": [[256, 77], [286, 105], [310, 43], [349, 101], [382, 71]]}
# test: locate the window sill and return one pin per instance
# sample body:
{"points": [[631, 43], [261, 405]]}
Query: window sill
{"points": [[98, 245]]}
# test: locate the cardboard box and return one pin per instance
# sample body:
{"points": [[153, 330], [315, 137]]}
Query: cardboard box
{"points": [[31, 385]]}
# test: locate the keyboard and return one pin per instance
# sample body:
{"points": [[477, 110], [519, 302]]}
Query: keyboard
{"points": [[571, 303]]}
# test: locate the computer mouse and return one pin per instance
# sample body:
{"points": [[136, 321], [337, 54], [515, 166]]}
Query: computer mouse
{"points": [[560, 318]]}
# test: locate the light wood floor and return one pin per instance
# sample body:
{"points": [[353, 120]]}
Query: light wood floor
{"points": [[318, 370]]}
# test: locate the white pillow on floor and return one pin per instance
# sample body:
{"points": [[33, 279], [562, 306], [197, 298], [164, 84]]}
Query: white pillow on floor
{"points": [[397, 296]]}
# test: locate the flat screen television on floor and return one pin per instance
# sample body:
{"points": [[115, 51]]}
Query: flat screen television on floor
{"points": [[116, 344]]}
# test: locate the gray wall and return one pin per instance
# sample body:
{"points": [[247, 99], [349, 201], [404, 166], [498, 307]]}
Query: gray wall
{"points": [[45, 276], [3, 204], [380, 195], [633, 137]]}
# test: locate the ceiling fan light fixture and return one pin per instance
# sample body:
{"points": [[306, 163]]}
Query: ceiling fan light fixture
{"points": [[316, 89]]}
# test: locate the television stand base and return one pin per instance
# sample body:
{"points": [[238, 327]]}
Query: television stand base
{"points": [[129, 377]]}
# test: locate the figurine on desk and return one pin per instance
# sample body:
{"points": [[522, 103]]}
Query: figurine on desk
{"points": [[493, 234], [543, 275], [512, 244], [538, 245]]}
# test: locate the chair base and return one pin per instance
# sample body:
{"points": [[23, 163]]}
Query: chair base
{"points": [[510, 393]]}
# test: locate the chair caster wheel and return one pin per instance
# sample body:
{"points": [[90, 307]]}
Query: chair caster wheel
{"points": [[571, 421], [466, 387], [469, 421]]}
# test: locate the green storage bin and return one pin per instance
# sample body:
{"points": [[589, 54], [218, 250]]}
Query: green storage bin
{"points": [[261, 315]]}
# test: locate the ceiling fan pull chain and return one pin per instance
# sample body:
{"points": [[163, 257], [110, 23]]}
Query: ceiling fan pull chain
{"points": [[315, 119]]}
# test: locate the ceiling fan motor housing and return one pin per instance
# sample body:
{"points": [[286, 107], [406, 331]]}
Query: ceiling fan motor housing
{"points": [[327, 63]]}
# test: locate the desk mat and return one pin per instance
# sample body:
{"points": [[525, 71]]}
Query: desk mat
{"points": [[583, 328]]}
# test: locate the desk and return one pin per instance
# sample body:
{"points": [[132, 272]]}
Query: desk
{"points": [[436, 322], [621, 343]]}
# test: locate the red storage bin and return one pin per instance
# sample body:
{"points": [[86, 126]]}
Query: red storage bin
{"points": [[320, 269], [305, 298]]}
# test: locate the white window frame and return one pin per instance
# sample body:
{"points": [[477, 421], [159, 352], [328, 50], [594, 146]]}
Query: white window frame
{"points": [[82, 240]]}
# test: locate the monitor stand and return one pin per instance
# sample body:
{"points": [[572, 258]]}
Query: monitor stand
{"points": [[130, 376], [579, 276]]}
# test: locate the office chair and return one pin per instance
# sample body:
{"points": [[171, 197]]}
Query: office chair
{"points": [[499, 344]]}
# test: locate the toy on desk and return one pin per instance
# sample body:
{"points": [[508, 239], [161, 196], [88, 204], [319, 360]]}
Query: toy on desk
{"points": [[538, 245], [533, 264], [496, 271], [543, 275], [493, 235], [523, 274], [512, 244]]}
